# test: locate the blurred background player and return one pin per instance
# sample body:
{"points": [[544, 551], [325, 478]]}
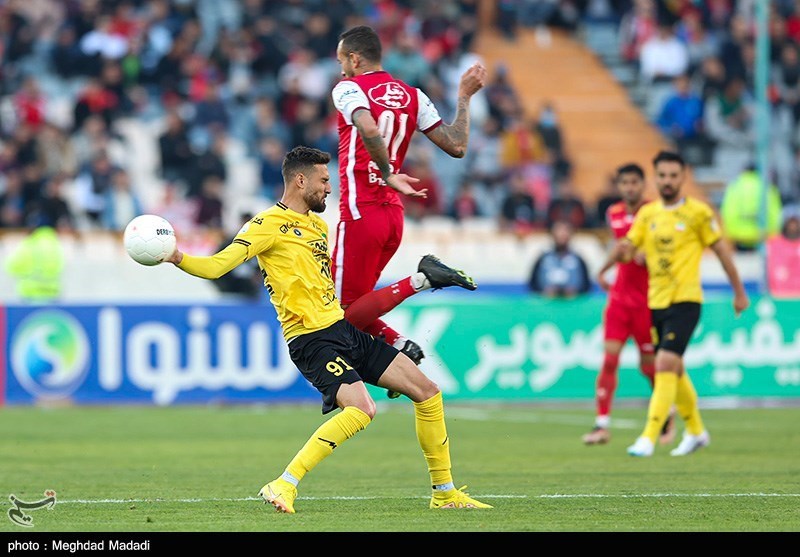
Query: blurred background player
{"points": [[673, 232], [626, 314], [378, 115]]}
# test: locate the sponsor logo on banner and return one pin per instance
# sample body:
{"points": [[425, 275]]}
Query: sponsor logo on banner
{"points": [[140, 353], [50, 354]]}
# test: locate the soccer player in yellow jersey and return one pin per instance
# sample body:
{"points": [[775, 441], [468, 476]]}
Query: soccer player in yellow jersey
{"points": [[290, 242], [673, 232]]}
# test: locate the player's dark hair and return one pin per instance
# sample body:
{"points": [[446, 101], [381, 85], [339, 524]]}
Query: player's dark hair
{"points": [[362, 40], [630, 168], [302, 159], [668, 156]]}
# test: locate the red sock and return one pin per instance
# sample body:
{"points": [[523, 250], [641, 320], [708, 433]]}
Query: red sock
{"points": [[607, 384], [649, 371], [369, 307], [380, 329]]}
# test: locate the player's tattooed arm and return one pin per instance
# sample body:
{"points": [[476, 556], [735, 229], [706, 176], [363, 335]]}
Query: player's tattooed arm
{"points": [[453, 138], [373, 142]]}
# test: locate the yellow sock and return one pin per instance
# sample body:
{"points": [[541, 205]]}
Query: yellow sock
{"points": [[662, 399], [328, 436], [686, 403], [432, 436]]}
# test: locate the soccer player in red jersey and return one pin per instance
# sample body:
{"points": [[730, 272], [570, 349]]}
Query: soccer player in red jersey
{"points": [[627, 314], [378, 115]]}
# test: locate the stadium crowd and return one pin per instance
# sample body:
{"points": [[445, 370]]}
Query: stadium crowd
{"points": [[208, 78]]}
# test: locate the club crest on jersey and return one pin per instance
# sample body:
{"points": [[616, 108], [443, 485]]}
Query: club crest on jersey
{"points": [[390, 95]]}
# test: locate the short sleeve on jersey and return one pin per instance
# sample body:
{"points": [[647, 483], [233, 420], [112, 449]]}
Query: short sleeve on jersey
{"points": [[709, 228], [427, 117], [347, 97]]}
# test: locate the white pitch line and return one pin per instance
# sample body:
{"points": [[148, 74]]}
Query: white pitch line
{"points": [[363, 498], [510, 416]]}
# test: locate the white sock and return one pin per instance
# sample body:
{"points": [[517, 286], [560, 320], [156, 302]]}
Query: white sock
{"points": [[444, 487], [400, 343], [603, 421], [289, 478], [420, 282]]}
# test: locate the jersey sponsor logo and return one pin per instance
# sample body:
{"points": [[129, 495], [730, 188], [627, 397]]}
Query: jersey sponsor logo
{"points": [[390, 95], [286, 227]]}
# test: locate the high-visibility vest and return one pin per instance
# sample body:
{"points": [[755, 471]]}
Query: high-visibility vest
{"points": [[741, 210], [38, 265]]}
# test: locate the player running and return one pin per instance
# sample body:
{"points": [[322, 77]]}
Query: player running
{"points": [[673, 232], [626, 314]]}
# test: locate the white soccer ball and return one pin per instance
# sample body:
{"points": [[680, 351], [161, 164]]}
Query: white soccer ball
{"points": [[149, 239]]}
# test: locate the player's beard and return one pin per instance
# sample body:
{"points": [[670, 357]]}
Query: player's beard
{"points": [[316, 205], [669, 194]]}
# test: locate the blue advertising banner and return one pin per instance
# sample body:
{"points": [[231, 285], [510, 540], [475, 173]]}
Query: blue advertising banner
{"points": [[148, 354], [487, 348]]}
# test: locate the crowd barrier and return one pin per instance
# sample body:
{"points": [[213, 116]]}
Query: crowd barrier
{"points": [[484, 348]]}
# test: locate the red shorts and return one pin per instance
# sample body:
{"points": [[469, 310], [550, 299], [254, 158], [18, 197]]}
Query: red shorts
{"points": [[363, 248], [623, 321]]}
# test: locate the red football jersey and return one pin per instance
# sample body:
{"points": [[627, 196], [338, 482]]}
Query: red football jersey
{"points": [[630, 285], [399, 110]]}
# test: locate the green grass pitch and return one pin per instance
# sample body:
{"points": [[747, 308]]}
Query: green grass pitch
{"points": [[199, 468]]}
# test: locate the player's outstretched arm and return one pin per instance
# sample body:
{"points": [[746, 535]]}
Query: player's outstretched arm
{"points": [[212, 266], [453, 138], [740, 299], [611, 260]]}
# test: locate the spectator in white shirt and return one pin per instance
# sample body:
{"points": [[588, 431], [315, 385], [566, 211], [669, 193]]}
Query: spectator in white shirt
{"points": [[662, 58], [102, 41]]}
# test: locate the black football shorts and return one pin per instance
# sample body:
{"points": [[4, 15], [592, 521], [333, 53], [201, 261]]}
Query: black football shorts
{"points": [[340, 354], [674, 326]]}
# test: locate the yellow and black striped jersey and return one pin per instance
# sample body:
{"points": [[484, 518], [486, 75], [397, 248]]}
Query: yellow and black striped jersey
{"points": [[673, 239], [292, 252]]}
